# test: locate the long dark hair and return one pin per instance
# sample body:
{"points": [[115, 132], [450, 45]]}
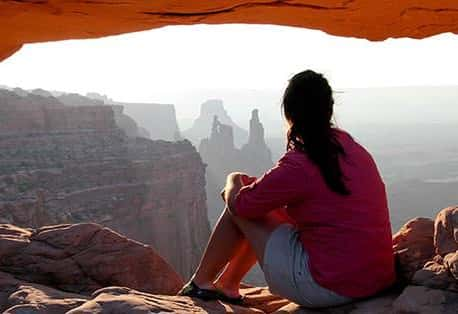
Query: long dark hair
{"points": [[308, 107]]}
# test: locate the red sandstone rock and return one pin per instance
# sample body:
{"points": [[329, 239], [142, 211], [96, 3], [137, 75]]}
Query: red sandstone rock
{"points": [[100, 251], [423, 300], [35, 21], [413, 246], [7, 50], [123, 300], [23, 297], [376, 305], [435, 274], [446, 231], [451, 262], [83, 258], [119, 300], [427, 261]]}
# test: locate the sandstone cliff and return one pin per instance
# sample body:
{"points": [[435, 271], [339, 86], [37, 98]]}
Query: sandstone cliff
{"points": [[57, 269], [125, 122], [148, 120], [159, 120], [68, 164]]}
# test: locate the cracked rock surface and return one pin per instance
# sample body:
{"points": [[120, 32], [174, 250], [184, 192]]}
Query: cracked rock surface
{"points": [[86, 268], [82, 258]]}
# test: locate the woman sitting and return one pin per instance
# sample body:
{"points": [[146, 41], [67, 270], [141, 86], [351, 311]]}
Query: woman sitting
{"points": [[317, 222]]}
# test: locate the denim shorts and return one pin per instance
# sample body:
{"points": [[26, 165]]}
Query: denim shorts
{"points": [[286, 268]]}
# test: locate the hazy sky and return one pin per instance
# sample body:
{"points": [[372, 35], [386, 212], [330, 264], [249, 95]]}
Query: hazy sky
{"points": [[158, 65]]}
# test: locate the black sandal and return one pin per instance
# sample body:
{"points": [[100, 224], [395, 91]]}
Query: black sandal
{"points": [[236, 301], [192, 290]]}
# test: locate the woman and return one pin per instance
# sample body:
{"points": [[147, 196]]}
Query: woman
{"points": [[317, 222]]}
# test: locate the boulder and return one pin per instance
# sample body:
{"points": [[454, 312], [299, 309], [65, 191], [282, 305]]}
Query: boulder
{"points": [[82, 258], [427, 251], [446, 231], [413, 246]]}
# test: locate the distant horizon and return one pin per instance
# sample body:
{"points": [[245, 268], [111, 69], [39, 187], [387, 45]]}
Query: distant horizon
{"points": [[143, 66], [335, 90], [355, 107]]}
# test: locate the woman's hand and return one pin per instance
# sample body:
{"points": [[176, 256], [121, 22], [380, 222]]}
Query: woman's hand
{"points": [[247, 180], [236, 177]]}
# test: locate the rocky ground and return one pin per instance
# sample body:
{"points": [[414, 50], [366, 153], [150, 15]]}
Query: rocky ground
{"points": [[85, 268]]}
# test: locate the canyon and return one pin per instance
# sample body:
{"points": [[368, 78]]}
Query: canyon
{"points": [[71, 164]]}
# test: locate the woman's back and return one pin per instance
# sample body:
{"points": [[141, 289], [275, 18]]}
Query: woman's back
{"points": [[348, 237]]}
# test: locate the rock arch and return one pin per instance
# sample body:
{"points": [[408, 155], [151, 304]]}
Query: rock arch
{"points": [[41, 20]]}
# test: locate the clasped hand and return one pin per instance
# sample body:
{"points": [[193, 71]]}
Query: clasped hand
{"points": [[235, 181]]}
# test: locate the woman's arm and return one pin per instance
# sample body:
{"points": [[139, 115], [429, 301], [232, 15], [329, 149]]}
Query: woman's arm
{"points": [[234, 182], [282, 185]]}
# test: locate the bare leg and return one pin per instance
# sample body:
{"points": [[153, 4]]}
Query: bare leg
{"points": [[230, 255], [238, 267], [245, 258], [224, 243]]}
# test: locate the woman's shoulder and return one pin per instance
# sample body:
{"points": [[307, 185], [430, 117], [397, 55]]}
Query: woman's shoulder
{"points": [[294, 157], [351, 146], [342, 134], [345, 138]]}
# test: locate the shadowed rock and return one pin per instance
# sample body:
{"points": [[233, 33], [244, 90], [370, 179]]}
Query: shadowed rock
{"points": [[414, 245], [427, 256], [83, 258]]}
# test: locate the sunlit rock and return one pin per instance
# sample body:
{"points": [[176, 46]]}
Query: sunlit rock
{"points": [[34, 21]]}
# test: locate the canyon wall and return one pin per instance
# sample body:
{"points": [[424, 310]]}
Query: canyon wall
{"points": [[125, 122], [159, 121], [62, 164]]}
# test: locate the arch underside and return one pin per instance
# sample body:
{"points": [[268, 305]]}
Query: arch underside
{"points": [[39, 20]]}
